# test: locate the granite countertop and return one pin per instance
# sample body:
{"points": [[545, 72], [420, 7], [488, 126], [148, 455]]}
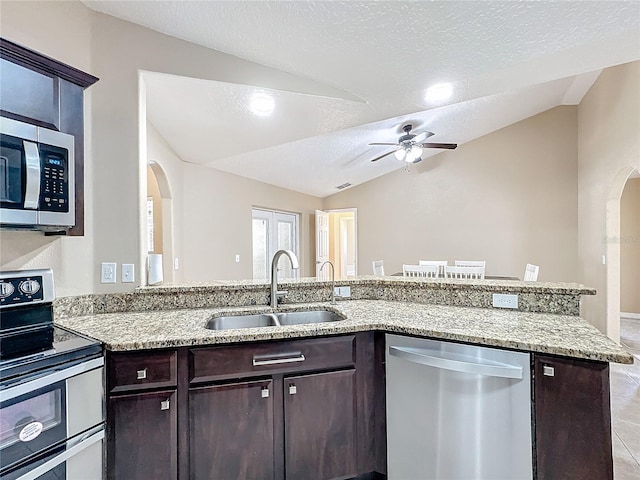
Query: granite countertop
{"points": [[555, 334], [450, 284]]}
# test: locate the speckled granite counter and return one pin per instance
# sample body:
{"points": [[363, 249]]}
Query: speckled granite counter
{"points": [[540, 297], [565, 335]]}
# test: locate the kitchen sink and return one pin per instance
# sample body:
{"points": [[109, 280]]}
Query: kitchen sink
{"points": [[242, 321], [272, 319], [312, 316]]}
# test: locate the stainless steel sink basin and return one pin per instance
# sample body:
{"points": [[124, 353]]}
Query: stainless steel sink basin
{"points": [[312, 316], [242, 321], [272, 319]]}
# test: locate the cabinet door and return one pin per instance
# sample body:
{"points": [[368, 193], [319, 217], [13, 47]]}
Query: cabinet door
{"points": [[142, 440], [231, 431], [573, 419], [320, 425]]}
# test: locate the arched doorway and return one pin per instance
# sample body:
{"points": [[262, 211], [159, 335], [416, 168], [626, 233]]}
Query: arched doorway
{"points": [[159, 231], [613, 250]]}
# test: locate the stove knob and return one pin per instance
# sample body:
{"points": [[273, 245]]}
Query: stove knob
{"points": [[29, 287], [6, 289]]}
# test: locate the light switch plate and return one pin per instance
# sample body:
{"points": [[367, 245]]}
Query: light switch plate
{"points": [[505, 300], [128, 273]]}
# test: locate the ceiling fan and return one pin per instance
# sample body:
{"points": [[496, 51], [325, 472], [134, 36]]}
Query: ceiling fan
{"points": [[410, 146]]}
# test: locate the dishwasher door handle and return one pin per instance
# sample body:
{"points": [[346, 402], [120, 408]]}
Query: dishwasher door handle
{"points": [[437, 359]]}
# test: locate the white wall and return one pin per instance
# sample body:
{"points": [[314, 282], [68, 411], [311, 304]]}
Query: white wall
{"points": [[608, 152], [509, 198]]}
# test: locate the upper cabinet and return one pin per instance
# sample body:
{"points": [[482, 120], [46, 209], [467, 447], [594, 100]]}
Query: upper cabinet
{"points": [[42, 91]]}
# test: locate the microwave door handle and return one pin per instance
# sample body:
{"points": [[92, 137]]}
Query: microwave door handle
{"points": [[32, 189]]}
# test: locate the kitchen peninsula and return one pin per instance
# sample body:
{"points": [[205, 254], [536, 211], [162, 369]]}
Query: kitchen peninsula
{"points": [[159, 352]]}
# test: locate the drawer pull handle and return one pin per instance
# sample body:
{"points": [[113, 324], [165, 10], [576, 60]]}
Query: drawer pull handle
{"points": [[277, 359], [142, 374], [164, 405], [265, 393], [292, 390]]}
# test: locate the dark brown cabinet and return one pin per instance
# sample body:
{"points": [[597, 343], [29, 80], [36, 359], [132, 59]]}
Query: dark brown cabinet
{"points": [[142, 436], [572, 419], [295, 409], [142, 416], [320, 415], [231, 431], [39, 90]]}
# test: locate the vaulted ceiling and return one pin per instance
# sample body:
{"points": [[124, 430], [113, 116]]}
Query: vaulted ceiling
{"points": [[505, 60]]}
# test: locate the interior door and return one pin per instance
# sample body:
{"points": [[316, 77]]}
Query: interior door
{"points": [[322, 243]]}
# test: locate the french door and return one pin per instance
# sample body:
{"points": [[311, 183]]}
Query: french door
{"points": [[273, 231]]}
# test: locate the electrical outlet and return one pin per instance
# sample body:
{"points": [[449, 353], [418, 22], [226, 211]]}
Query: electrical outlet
{"points": [[505, 300], [176, 263], [237, 258], [128, 273], [344, 292], [108, 273]]}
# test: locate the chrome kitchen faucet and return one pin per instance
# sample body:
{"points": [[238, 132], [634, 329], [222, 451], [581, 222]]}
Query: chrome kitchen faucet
{"points": [[275, 294]]}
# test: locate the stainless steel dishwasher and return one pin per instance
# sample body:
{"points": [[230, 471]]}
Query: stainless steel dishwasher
{"points": [[457, 411]]}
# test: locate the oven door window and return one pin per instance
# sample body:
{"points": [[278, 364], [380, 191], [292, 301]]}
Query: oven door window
{"points": [[32, 423], [12, 175]]}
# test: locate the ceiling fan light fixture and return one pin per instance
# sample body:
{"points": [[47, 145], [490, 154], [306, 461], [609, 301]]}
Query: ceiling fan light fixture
{"points": [[262, 104], [400, 154], [439, 93], [416, 151]]}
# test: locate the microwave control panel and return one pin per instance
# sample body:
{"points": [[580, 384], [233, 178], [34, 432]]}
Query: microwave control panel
{"points": [[54, 196]]}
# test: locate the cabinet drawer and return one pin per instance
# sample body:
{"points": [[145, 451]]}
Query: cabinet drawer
{"points": [[218, 363], [137, 371]]}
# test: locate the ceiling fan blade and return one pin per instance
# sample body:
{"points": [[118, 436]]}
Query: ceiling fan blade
{"points": [[383, 144], [448, 146], [382, 156], [422, 136]]}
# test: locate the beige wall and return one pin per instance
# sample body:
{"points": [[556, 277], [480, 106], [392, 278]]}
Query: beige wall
{"points": [[29, 24], [212, 215], [508, 198], [630, 247], [115, 51], [608, 152]]}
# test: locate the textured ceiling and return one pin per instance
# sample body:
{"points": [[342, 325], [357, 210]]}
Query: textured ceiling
{"points": [[506, 60]]}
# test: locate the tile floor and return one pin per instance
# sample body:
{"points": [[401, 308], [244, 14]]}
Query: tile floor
{"points": [[625, 405]]}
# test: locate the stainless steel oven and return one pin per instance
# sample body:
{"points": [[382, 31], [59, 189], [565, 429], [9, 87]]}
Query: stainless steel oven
{"points": [[51, 398], [37, 186]]}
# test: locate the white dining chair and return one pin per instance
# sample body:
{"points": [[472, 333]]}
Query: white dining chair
{"points": [[471, 263], [423, 271], [378, 268], [440, 263], [462, 272], [531, 273]]}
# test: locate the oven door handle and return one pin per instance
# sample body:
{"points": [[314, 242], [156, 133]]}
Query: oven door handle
{"points": [[63, 457], [47, 380]]}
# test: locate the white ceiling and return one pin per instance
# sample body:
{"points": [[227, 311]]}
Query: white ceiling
{"points": [[507, 61]]}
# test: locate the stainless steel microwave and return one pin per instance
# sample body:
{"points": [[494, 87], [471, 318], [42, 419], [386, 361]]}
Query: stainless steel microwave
{"points": [[37, 185]]}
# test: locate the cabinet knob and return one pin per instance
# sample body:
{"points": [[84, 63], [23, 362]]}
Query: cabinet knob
{"points": [[164, 405], [265, 393], [292, 390], [142, 374], [548, 371]]}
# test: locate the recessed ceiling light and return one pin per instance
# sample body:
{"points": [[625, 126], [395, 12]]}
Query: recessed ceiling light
{"points": [[439, 93], [262, 104]]}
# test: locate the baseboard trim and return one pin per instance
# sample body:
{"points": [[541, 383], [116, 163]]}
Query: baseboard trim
{"points": [[635, 316]]}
